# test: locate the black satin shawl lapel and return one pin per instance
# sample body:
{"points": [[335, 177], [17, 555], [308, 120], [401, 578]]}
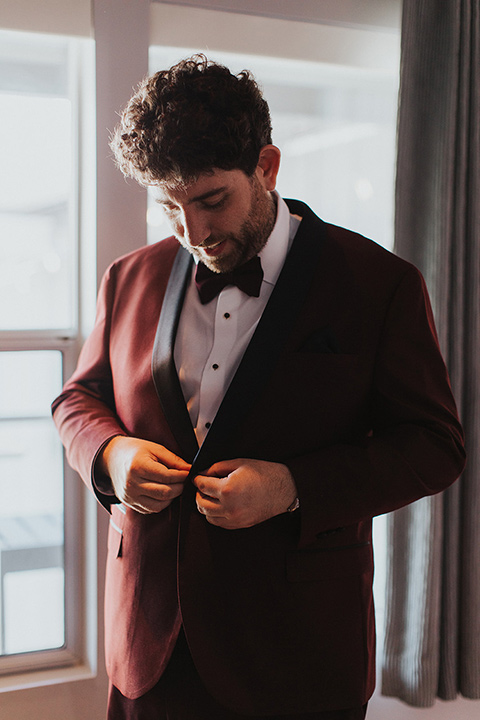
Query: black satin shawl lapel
{"points": [[270, 336], [164, 373]]}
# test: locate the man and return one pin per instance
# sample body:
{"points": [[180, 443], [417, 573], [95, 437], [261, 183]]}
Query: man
{"points": [[244, 436]]}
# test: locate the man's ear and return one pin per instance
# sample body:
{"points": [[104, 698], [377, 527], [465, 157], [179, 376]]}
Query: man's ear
{"points": [[268, 166]]}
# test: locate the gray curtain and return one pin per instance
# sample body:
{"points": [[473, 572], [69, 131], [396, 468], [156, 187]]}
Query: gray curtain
{"points": [[432, 644]]}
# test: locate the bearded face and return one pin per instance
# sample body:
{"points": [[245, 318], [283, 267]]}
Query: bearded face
{"points": [[223, 218]]}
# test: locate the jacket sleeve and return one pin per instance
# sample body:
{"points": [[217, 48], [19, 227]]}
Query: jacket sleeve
{"points": [[415, 445], [84, 412]]}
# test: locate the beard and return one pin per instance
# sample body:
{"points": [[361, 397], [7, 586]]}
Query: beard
{"points": [[249, 240]]}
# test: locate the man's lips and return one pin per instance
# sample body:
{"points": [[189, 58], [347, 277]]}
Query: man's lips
{"points": [[213, 250]]}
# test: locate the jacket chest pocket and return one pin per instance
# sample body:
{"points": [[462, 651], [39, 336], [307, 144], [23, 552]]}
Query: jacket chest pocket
{"points": [[329, 564]]}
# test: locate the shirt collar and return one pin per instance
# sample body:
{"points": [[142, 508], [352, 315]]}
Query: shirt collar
{"points": [[274, 253]]}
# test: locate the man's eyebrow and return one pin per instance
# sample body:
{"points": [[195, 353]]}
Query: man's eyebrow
{"points": [[198, 198], [208, 194]]}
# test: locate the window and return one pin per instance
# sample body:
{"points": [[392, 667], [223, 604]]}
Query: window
{"points": [[37, 238], [31, 515], [39, 328]]}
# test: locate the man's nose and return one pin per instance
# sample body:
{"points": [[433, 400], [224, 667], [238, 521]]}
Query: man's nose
{"points": [[196, 228]]}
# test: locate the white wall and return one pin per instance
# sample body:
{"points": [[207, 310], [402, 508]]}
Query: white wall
{"points": [[121, 62], [380, 14]]}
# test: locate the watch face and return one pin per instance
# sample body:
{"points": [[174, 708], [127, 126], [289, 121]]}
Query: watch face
{"points": [[295, 505]]}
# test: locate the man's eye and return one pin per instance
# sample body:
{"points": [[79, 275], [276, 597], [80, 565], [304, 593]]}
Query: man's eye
{"points": [[214, 204]]}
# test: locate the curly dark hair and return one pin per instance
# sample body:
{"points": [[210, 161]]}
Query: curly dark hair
{"points": [[189, 120]]}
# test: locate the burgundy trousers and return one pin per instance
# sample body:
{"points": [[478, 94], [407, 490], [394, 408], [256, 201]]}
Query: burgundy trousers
{"points": [[181, 695]]}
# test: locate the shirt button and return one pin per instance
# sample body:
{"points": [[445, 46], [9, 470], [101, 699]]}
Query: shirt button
{"points": [[226, 316], [215, 366], [208, 425]]}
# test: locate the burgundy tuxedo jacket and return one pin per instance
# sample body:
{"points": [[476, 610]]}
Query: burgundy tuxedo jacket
{"points": [[343, 382]]}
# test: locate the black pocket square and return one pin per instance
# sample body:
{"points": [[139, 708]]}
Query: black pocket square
{"points": [[321, 341]]}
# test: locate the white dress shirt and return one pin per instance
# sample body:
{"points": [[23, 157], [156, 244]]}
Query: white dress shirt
{"points": [[212, 338]]}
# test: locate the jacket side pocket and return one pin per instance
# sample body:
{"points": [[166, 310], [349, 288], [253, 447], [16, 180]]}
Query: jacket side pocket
{"points": [[115, 531]]}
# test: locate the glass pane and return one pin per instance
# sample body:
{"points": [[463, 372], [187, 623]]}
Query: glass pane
{"points": [[31, 507], [36, 189], [336, 129]]}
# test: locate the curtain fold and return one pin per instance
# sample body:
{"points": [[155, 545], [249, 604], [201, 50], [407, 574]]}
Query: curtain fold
{"points": [[432, 642]]}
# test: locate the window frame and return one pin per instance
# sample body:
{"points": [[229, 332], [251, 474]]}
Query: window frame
{"points": [[80, 573]]}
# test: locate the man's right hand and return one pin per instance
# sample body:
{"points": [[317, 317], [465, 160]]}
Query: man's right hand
{"points": [[145, 476]]}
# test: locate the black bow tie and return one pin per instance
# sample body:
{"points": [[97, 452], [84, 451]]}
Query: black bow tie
{"points": [[247, 277]]}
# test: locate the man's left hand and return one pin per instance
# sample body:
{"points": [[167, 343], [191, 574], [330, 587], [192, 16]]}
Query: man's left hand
{"points": [[239, 493]]}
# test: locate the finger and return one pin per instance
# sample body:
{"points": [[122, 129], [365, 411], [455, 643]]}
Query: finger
{"points": [[147, 506], [208, 500], [170, 477], [141, 504], [153, 471], [208, 505], [223, 468], [170, 460], [155, 492], [212, 517], [126, 502], [208, 486], [152, 497]]}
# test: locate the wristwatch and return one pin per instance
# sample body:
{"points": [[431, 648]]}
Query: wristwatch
{"points": [[294, 506]]}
